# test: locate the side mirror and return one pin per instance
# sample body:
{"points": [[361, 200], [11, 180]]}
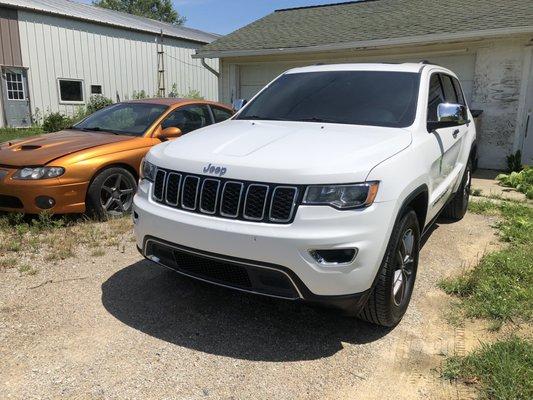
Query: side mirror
{"points": [[168, 133], [239, 103], [449, 114]]}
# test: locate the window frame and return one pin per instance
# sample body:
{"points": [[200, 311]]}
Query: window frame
{"points": [[61, 101]]}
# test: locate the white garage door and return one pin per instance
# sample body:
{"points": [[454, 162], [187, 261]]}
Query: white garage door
{"points": [[254, 76]]}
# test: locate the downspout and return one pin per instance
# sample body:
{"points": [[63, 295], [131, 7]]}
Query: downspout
{"points": [[209, 68]]}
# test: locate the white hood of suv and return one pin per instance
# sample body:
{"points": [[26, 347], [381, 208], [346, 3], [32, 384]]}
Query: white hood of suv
{"points": [[283, 152]]}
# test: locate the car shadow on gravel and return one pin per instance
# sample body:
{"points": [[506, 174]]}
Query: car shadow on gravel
{"points": [[219, 321]]}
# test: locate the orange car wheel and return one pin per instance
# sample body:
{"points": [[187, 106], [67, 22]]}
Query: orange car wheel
{"points": [[111, 193]]}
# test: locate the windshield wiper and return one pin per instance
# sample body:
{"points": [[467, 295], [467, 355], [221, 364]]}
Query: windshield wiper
{"points": [[256, 117], [98, 129], [317, 119]]}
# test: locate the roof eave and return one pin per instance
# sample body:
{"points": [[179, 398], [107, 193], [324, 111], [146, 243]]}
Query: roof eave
{"points": [[423, 39]]}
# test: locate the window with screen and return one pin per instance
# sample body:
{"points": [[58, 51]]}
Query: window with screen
{"points": [[96, 89], [70, 90], [14, 86]]}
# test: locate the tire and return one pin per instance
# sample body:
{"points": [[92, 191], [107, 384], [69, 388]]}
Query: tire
{"points": [[391, 294], [111, 193], [456, 208]]}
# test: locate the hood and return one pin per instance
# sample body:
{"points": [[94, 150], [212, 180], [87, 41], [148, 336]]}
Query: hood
{"points": [[283, 152], [42, 149]]}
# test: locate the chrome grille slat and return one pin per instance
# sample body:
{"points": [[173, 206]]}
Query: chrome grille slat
{"points": [[226, 198]]}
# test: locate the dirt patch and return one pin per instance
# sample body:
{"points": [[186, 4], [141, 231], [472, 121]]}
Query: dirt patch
{"points": [[116, 326]]}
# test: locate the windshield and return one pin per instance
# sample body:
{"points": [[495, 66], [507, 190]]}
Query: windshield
{"points": [[344, 97], [123, 118]]}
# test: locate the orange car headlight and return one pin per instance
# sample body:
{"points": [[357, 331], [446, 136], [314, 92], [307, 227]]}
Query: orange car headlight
{"points": [[33, 173]]}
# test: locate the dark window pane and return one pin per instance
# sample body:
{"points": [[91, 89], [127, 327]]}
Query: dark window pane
{"points": [[188, 118], [220, 114], [449, 91], [346, 97], [127, 118], [96, 89], [435, 97], [71, 90], [459, 92]]}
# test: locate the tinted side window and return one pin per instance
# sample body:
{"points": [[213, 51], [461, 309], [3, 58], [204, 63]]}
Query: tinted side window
{"points": [[449, 91], [436, 96], [459, 92], [188, 118], [220, 114]]}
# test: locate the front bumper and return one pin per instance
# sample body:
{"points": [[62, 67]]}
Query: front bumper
{"points": [[21, 195], [286, 246]]}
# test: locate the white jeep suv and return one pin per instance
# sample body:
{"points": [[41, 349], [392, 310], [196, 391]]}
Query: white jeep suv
{"points": [[318, 190]]}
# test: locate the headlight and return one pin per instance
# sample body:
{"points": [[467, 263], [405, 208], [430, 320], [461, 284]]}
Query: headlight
{"points": [[342, 196], [30, 173], [148, 170]]}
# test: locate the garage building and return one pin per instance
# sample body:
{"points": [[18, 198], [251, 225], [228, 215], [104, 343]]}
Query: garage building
{"points": [[55, 54], [488, 44]]}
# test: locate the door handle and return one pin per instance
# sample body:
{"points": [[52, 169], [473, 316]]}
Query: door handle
{"points": [[455, 133]]}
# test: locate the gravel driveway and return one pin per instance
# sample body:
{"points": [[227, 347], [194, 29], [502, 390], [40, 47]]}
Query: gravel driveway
{"points": [[120, 327]]}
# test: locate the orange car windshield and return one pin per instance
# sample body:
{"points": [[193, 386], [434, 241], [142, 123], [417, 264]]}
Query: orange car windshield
{"points": [[123, 118]]}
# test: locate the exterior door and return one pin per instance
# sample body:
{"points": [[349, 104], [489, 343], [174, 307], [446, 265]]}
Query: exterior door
{"points": [[527, 147], [15, 97], [446, 143]]}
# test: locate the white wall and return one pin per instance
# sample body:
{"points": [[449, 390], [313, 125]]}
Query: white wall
{"points": [[491, 73], [120, 60]]}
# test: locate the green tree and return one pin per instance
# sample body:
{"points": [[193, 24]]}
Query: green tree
{"points": [[160, 10]]}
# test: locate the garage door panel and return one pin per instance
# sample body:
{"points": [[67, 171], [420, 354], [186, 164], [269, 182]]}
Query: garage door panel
{"points": [[253, 77]]}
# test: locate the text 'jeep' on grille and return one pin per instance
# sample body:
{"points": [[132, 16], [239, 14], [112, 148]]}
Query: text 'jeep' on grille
{"points": [[317, 190]]}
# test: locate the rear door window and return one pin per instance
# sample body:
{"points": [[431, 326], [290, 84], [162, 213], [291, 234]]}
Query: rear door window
{"points": [[220, 114], [449, 90], [459, 92], [188, 118]]}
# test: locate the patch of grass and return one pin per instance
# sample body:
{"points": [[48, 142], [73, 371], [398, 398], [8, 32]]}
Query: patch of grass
{"points": [[503, 370], [500, 287], [7, 263], [476, 192], [27, 269], [7, 134], [486, 207]]}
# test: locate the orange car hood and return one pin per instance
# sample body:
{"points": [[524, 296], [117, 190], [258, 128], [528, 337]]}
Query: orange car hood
{"points": [[40, 150]]}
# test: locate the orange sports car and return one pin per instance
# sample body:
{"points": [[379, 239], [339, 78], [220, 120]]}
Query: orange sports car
{"points": [[94, 165]]}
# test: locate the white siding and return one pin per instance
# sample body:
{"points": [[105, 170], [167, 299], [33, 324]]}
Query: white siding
{"points": [[120, 60]]}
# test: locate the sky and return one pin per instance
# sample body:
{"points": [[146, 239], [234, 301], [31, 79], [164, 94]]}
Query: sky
{"points": [[225, 16]]}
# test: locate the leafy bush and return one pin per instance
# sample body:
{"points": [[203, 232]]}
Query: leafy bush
{"points": [[521, 181], [55, 122], [97, 102], [514, 161]]}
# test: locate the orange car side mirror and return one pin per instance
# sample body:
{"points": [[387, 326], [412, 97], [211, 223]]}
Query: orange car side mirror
{"points": [[169, 133]]}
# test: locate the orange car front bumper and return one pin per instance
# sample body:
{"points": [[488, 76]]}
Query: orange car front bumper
{"points": [[21, 195]]}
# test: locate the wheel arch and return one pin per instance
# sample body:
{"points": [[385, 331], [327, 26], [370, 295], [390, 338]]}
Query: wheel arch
{"points": [[418, 200]]}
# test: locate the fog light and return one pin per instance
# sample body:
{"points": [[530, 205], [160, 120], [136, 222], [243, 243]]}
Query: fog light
{"points": [[334, 256], [45, 202]]}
